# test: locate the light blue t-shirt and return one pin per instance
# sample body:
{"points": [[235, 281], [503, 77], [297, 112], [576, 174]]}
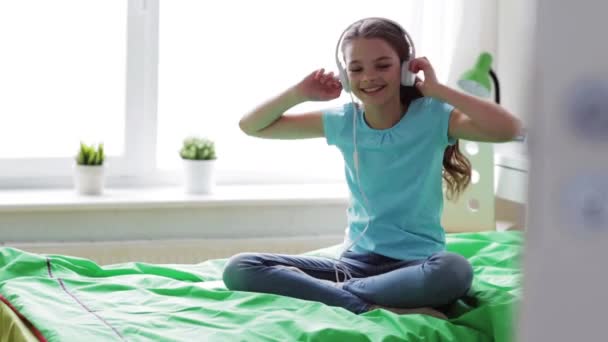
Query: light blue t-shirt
{"points": [[400, 169]]}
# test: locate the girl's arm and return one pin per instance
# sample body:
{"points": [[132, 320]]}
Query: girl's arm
{"points": [[473, 118], [483, 121], [269, 120]]}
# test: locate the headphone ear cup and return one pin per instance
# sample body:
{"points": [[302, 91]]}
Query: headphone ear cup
{"points": [[407, 77], [344, 79]]}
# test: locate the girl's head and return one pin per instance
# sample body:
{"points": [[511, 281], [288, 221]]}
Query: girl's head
{"points": [[374, 50]]}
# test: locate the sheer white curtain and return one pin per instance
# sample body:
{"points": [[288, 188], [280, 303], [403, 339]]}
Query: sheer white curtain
{"points": [[219, 60]]}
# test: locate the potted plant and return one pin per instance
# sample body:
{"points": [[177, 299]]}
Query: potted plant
{"points": [[89, 169], [198, 156]]}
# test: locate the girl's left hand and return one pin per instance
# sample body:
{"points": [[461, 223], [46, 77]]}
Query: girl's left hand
{"points": [[430, 85]]}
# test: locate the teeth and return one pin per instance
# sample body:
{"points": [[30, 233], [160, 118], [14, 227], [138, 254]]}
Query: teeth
{"points": [[371, 90]]}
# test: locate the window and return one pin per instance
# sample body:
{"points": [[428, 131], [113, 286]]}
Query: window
{"points": [[143, 77], [62, 80]]}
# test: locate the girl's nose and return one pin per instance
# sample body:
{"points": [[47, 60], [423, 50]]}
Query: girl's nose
{"points": [[369, 76]]}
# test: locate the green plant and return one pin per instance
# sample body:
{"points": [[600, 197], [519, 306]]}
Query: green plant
{"points": [[198, 148], [89, 155]]}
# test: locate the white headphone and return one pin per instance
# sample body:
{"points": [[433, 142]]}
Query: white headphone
{"points": [[407, 77]]}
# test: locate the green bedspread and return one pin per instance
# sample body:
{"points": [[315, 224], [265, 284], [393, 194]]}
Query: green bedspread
{"points": [[73, 299]]}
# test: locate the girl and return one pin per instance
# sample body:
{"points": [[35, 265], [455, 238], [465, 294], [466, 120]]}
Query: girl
{"points": [[397, 145]]}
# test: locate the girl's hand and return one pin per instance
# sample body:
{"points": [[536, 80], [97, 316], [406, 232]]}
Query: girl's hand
{"points": [[319, 86], [430, 85]]}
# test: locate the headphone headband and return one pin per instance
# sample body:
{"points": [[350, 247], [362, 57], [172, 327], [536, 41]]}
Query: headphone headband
{"points": [[408, 38], [407, 77]]}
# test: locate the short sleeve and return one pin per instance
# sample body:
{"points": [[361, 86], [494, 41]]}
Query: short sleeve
{"points": [[333, 124], [444, 111]]}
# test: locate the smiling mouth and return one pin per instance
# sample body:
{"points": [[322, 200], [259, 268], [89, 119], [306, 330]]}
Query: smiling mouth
{"points": [[372, 90]]}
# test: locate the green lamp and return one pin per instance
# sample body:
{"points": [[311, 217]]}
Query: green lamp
{"points": [[477, 80]]}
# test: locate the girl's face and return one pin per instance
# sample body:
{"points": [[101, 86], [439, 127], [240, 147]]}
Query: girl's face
{"points": [[374, 70]]}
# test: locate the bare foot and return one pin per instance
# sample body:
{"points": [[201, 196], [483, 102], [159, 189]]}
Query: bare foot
{"points": [[422, 311]]}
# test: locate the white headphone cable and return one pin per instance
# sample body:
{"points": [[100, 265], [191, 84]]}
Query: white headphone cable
{"points": [[344, 270]]}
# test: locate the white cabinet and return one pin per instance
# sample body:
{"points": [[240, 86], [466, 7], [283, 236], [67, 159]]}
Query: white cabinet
{"points": [[511, 172]]}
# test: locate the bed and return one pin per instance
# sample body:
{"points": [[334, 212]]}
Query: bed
{"points": [[63, 298]]}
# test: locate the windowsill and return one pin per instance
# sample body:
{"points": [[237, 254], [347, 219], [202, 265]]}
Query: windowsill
{"points": [[510, 156], [171, 197]]}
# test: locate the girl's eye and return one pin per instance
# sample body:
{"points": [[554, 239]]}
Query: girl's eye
{"points": [[381, 67]]}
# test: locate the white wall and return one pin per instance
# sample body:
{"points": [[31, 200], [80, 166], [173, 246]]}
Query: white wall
{"points": [[513, 58], [174, 234], [477, 32], [152, 223]]}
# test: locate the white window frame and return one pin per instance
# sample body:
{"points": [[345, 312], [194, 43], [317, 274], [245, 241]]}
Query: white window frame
{"points": [[140, 116]]}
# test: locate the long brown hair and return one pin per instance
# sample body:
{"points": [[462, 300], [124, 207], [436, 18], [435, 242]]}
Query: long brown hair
{"points": [[456, 167]]}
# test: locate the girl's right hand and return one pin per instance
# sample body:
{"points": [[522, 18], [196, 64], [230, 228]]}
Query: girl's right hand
{"points": [[319, 86]]}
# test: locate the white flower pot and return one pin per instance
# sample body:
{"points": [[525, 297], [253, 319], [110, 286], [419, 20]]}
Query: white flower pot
{"points": [[89, 179], [199, 176]]}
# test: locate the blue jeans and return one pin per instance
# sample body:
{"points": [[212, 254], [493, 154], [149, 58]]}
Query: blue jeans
{"points": [[436, 281]]}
